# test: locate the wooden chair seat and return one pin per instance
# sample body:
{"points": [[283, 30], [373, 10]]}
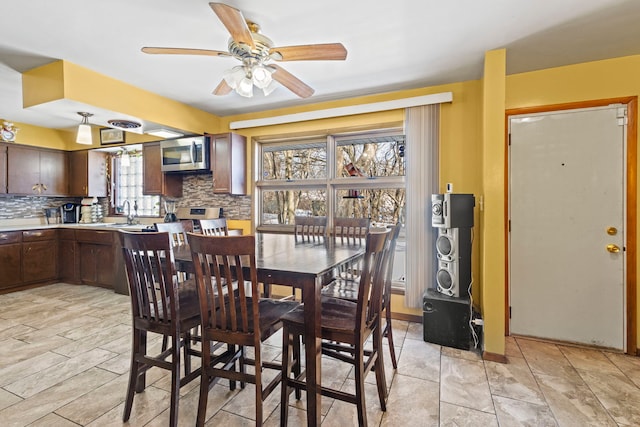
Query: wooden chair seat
{"points": [[270, 312]]}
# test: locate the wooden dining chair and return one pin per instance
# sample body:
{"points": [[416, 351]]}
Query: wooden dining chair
{"points": [[158, 305], [232, 312], [308, 228], [214, 227], [351, 231], [177, 232], [348, 289], [345, 327]]}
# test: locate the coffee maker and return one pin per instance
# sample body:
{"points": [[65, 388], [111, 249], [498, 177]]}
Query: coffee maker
{"points": [[70, 213]]}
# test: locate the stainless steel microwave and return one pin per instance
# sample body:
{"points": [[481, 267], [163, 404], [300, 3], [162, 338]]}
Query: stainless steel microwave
{"points": [[185, 154]]}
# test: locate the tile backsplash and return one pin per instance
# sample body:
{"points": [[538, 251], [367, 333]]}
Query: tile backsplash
{"points": [[197, 192]]}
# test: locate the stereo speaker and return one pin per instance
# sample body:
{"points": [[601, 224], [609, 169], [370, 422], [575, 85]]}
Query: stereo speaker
{"points": [[446, 320], [453, 249], [451, 210]]}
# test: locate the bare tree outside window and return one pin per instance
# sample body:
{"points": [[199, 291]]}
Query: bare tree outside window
{"points": [[366, 180]]}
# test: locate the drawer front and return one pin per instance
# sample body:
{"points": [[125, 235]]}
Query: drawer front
{"points": [[36, 235], [95, 236], [10, 237]]}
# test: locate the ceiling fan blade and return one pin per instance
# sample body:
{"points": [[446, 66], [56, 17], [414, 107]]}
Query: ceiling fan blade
{"points": [[222, 89], [310, 52], [234, 22], [183, 51], [291, 82]]}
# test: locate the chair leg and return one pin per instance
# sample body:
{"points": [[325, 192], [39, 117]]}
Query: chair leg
{"points": [[388, 332], [133, 375], [175, 380], [379, 367], [297, 363], [187, 352], [259, 392], [361, 406], [204, 383], [142, 350], [286, 373]]}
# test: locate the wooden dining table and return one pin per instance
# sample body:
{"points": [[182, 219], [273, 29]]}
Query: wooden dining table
{"points": [[306, 265]]}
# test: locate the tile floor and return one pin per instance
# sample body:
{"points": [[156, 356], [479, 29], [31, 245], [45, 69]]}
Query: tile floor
{"points": [[64, 362]]}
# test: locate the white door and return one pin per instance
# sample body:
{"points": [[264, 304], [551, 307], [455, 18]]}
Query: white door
{"points": [[566, 194]]}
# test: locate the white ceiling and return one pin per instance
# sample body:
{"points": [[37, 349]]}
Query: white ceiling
{"points": [[391, 45]]}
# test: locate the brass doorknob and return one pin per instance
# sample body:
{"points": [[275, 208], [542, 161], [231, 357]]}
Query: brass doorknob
{"points": [[613, 248]]}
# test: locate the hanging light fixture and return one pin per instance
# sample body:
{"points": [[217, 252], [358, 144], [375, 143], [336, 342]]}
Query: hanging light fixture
{"points": [[84, 130], [243, 78]]}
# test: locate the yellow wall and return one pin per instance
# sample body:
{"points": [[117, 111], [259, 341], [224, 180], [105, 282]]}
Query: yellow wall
{"points": [[62, 80], [605, 79], [492, 218], [39, 136]]}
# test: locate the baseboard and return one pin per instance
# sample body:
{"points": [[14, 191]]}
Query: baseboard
{"points": [[406, 317], [494, 357]]}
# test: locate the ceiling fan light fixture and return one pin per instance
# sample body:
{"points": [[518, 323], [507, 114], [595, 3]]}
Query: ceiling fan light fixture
{"points": [[234, 76], [245, 88], [270, 88], [261, 76], [84, 130]]}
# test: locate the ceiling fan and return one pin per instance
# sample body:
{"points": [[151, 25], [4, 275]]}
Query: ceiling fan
{"points": [[256, 52]]}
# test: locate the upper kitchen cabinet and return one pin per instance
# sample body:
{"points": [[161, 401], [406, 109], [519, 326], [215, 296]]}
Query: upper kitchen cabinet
{"points": [[38, 171], [88, 173], [154, 181], [228, 162], [3, 169]]}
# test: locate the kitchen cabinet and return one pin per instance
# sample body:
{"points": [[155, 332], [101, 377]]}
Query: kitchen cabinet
{"points": [[68, 261], [3, 169], [88, 173], [39, 255], [32, 170], [10, 259], [155, 182], [96, 255], [228, 162]]}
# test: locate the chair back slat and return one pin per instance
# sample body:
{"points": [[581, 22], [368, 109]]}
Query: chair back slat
{"points": [[390, 257], [223, 265], [214, 227], [351, 230], [371, 280], [177, 232], [308, 228], [153, 284]]}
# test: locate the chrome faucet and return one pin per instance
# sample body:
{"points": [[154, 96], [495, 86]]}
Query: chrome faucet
{"points": [[130, 216]]}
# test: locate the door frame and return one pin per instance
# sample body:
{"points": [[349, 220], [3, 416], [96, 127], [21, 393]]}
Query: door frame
{"points": [[631, 212]]}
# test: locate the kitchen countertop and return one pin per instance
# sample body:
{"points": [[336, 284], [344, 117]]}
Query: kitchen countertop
{"points": [[13, 225]]}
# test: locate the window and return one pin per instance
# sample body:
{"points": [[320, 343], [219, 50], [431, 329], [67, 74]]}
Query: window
{"points": [[359, 175], [355, 175], [127, 185]]}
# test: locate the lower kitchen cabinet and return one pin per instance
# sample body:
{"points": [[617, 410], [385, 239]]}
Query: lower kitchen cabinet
{"points": [[10, 259], [91, 257], [39, 255], [28, 257], [68, 262], [96, 255]]}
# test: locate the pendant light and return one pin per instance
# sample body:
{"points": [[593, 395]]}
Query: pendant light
{"points": [[84, 130]]}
